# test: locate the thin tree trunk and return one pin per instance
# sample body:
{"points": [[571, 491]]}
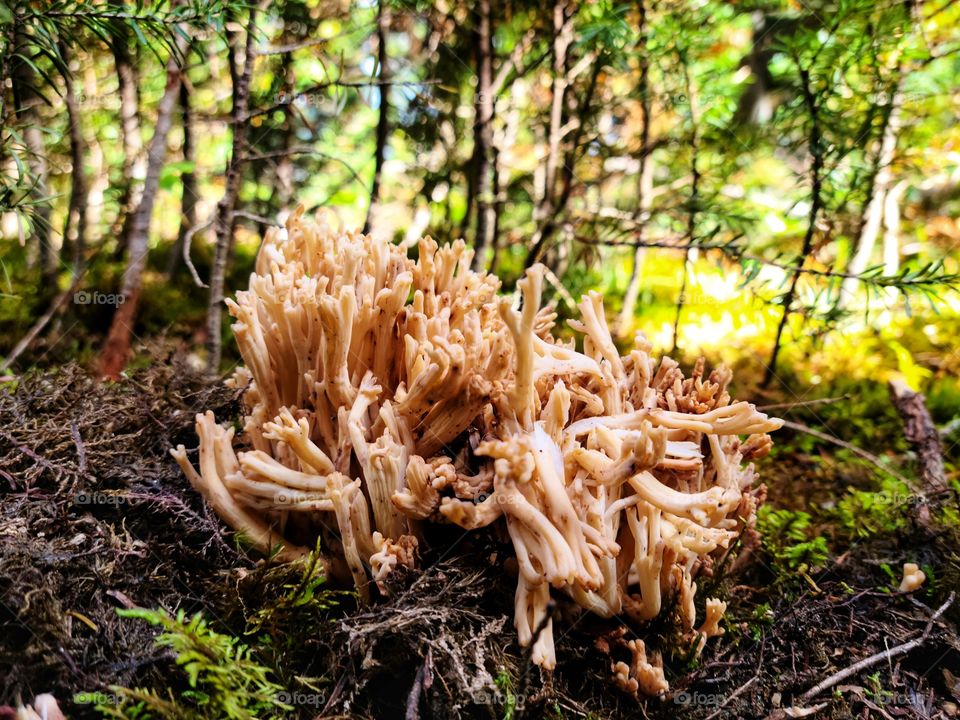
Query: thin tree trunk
{"points": [[58, 303], [501, 175], [644, 180], [582, 111], [25, 104], [383, 120], [117, 347], [133, 158], [471, 173], [75, 225], [98, 168], [694, 196], [551, 219], [188, 198], [873, 212], [545, 211], [815, 143], [483, 136], [227, 204], [891, 229], [285, 165]]}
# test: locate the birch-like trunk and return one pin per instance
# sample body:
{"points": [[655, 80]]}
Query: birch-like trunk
{"points": [[117, 348], [874, 211], [227, 205]]}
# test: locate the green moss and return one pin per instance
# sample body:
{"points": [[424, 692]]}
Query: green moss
{"points": [[225, 680], [789, 540]]}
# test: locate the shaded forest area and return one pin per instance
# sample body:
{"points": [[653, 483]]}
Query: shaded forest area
{"points": [[770, 185]]}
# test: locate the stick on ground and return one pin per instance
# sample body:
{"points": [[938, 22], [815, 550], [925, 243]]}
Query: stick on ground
{"points": [[876, 659]]}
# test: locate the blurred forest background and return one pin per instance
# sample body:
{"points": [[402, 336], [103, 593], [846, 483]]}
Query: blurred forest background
{"points": [[771, 183]]}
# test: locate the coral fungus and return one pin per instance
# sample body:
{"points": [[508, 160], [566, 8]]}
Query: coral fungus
{"points": [[385, 389]]}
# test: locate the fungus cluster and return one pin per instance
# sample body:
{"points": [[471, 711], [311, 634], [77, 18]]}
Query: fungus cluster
{"points": [[386, 389]]}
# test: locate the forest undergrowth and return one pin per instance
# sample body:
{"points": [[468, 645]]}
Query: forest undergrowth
{"points": [[130, 600]]}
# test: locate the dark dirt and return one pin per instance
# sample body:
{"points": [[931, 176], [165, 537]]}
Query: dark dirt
{"points": [[94, 516]]}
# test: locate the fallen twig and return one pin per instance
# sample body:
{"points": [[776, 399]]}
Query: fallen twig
{"points": [[803, 403], [40, 324], [888, 654], [732, 696], [920, 432], [187, 240], [858, 451]]}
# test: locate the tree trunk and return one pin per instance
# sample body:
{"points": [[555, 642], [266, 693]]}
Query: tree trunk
{"points": [[226, 206], [285, 166], [383, 121], [25, 104], [117, 347], [545, 211], [133, 159], [873, 212], [552, 217], [891, 230], [188, 198], [694, 200], [483, 136], [75, 225], [644, 181]]}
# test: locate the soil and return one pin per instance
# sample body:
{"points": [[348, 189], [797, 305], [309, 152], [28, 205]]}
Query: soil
{"points": [[95, 516]]}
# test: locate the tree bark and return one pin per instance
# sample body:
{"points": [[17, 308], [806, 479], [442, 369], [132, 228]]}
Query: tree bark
{"points": [[923, 435], [552, 217], [483, 136], [694, 199], [117, 347], [920, 432], [891, 229], [285, 165], [545, 211], [133, 159], [25, 103], [225, 208], [75, 225], [644, 179], [188, 181], [383, 120], [874, 210]]}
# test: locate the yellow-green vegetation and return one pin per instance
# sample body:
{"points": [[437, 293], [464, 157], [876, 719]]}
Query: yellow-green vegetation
{"points": [[224, 680], [790, 540]]}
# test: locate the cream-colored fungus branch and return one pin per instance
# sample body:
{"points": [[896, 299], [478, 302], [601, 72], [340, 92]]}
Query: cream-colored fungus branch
{"points": [[385, 391]]}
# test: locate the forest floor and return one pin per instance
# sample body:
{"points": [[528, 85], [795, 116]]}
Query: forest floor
{"points": [[95, 517]]}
